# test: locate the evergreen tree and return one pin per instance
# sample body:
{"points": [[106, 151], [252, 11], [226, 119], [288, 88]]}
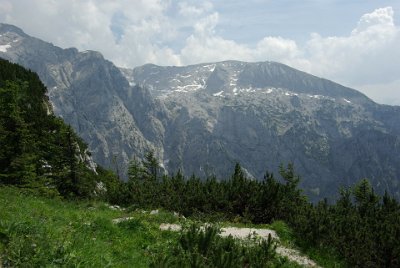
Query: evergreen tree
{"points": [[136, 171], [151, 166], [18, 144], [37, 149]]}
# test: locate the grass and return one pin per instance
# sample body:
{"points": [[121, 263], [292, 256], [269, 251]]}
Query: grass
{"points": [[322, 256], [38, 232], [49, 232]]}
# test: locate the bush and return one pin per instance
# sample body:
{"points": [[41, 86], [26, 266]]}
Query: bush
{"points": [[203, 247]]}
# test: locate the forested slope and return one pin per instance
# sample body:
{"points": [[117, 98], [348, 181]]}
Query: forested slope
{"points": [[38, 150], [40, 154]]}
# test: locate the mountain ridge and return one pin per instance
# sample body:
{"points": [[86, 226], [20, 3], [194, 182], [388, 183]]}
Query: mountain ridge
{"points": [[202, 119], [275, 69]]}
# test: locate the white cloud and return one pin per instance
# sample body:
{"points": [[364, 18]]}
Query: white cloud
{"points": [[277, 49], [204, 45], [189, 10], [132, 33], [87, 24], [206, 26], [366, 55], [367, 59], [381, 16], [5, 7]]}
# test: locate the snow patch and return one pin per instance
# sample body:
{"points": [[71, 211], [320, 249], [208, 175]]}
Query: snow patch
{"points": [[3, 48], [188, 88], [186, 76], [210, 67], [233, 79], [210, 125], [291, 94], [180, 90], [249, 89], [218, 94], [346, 100], [315, 96], [321, 97]]}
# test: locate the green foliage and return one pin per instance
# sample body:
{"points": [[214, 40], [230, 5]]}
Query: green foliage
{"points": [[18, 144], [203, 247], [43, 156], [38, 150], [109, 187], [135, 171], [151, 166], [359, 228], [42, 232], [284, 232]]}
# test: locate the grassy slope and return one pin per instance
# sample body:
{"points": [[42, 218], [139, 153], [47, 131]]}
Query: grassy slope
{"points": [[37, 232], [41, 232]]}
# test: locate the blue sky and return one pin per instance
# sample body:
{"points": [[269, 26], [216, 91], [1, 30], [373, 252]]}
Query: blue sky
{"points": [[355, 43], [294, 19]]}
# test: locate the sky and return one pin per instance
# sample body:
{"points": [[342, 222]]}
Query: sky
{"points": [[355, 43]]}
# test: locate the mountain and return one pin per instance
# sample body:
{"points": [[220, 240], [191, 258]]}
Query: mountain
{"points": [[87, 91], [204, 118], [262, 114]]}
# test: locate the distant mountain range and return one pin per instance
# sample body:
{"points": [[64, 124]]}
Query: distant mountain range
{"points": [[204, 118]]}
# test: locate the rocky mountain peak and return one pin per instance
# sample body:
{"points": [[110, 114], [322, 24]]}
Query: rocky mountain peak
{"points": [[231, 78], [202, 119], [11, 29]]}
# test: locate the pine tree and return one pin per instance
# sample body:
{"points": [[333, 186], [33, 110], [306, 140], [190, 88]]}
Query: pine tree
{"points": [[18, 143], [136, 171], [37, 149], [151, 165]]}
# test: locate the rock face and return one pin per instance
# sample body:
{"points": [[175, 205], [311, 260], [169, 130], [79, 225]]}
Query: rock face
{"points": [[90, 94], [204, 118]]}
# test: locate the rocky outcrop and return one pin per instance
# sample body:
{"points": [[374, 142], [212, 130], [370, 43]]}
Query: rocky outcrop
{"points": [[89, 93], [264, 114], [204, 118]]}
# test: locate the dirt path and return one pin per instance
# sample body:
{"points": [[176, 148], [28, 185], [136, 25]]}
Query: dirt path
{"points": [[242, 233]]}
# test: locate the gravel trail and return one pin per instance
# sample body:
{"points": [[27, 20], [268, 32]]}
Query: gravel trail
{"points": [[242, 233]]}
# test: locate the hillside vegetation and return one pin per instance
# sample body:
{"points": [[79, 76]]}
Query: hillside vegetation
{"points": [[93, 234], [39, 232], [360, 227], [38, 150], [52, 211]]}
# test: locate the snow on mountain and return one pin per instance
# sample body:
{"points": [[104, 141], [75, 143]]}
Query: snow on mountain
{"points": [[202, 119]]}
